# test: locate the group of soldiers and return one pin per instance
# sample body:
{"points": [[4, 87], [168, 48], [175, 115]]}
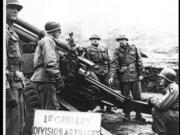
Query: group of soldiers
{"points": [[47, 78]]}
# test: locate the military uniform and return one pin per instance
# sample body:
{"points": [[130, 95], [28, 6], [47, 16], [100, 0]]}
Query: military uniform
{"points": [[166, 112], [99, 55], [14, 97], [46, 71], [127, 63]]}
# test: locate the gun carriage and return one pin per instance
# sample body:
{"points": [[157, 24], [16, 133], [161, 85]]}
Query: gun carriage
{"points": [[86, 92]]}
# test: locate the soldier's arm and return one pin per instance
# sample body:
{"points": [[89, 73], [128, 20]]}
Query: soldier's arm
{"points": [[109, 61], [139, 62], [167, 101], [50, 58], [87, 54], [114, 63]]}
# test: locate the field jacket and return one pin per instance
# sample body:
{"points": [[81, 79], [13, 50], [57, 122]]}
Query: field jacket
{"points": [[127, 63], [99, 55], [170, 101], [46, 63], [14, 59]]}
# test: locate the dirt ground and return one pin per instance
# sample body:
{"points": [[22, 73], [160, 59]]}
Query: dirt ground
{"points": [[114, 124]]}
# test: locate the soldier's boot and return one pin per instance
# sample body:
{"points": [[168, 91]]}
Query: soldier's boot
{"points": [[139, 117], [127, 117]]}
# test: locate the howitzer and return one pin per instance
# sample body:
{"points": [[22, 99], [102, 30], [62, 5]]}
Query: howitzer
{"points": [[116, 99], [107, 94], [86, 92]]}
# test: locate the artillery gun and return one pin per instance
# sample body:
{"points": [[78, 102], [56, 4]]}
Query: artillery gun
{"points": [[86, 92]]}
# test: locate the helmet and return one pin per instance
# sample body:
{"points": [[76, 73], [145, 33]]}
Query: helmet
{"points": [[14, 2], [94, 36], [52, 26], [168, 74], [121, 37]]}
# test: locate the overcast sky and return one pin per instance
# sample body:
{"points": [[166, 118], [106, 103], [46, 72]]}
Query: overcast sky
{"points": [[162, 14]]}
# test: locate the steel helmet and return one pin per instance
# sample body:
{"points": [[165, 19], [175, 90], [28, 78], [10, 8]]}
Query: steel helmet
{"points": [[94, 36], [52, 26], [168, 74], [121, 37], [14, 2]]}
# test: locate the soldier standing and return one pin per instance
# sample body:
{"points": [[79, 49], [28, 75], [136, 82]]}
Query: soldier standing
{"points": [[14, 75], [99, 55], [165, 111], [47, 77], [70, 40], [128, 64]]}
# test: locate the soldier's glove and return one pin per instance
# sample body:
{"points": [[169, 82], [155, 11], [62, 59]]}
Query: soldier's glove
{"points": [[111, 80], [59, 84], [11, 98], [21, 77], [141, 77]]}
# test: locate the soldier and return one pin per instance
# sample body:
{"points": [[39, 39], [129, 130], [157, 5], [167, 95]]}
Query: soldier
{"points": [[47, 75], [99, 55], [165, 111], [71, 40], [14, 75], [128, 64]]}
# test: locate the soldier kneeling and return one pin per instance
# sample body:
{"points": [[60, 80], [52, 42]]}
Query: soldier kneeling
{"points": [[165, 111]]}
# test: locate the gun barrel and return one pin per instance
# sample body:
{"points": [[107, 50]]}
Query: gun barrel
{"points": [[29, 27], [62, 45], [25, 34], [102, 86], [86, 61], [119, 100]]}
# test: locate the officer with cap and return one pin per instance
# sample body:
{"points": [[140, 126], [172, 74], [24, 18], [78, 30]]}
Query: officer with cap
{"points": [[14, 75], [47, 77], [127, 63], [165, 111], [100, 56]]}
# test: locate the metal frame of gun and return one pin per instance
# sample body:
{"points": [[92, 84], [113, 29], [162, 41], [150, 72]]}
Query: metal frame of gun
{"points": [[116, 99]]}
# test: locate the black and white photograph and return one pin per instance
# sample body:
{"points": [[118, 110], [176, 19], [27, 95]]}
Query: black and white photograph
{"points": [[90, 67]]}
